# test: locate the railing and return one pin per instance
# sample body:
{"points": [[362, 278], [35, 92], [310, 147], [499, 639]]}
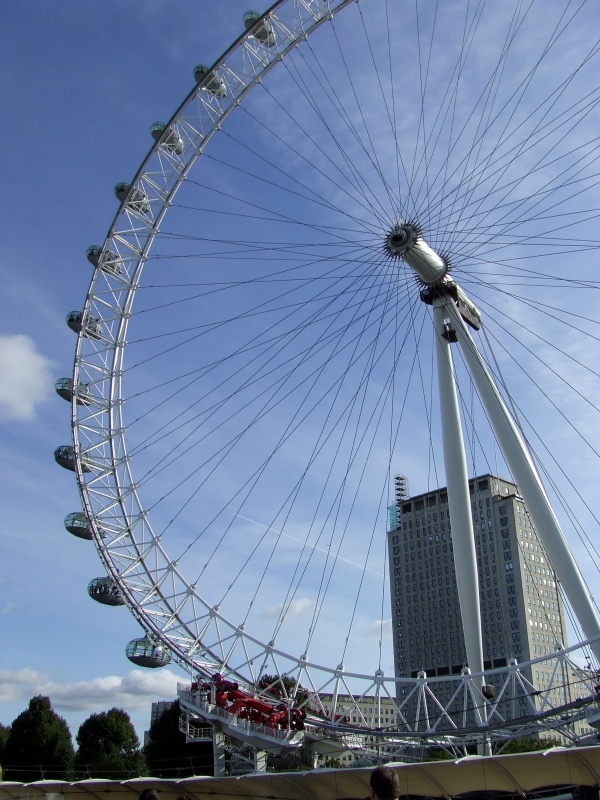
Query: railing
{"points": [[204, 733], [233, 722]]}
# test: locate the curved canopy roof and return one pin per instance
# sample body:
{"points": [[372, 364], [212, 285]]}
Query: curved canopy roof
{"points": [[522, 773]]}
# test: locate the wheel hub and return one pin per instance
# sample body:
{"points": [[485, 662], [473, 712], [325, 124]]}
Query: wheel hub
{"points": [[401, 238], [406, 242]]}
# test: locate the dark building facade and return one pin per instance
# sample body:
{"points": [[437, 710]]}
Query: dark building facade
{"points": [[521, 609]]}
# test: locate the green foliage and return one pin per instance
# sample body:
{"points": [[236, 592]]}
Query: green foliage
{"points": [[169, 755], [4, 732], [529, 743], [108, 747], [38, 745], [438, 754], [281, 686]]}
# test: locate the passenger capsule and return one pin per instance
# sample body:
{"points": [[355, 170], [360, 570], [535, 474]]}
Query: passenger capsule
{"points": [[137, 201], [146, 653], [65, 456], [107, 261], [264, 32], [79, 525], [105, 590], [90, 327], [214, 85], [171, 140], [64, 389]]}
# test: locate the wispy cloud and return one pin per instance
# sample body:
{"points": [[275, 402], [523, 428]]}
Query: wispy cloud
{"points": [[378, 629], [26, 377], [16, 684], [296, 608], [134, 691], [310, 546]]}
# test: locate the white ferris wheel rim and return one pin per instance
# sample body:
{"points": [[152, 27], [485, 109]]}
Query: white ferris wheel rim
{"points": [[121, 238], [154, 588]]}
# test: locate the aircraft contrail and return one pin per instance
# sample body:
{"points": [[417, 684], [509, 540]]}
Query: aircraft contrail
{"points": [[312, 546]]}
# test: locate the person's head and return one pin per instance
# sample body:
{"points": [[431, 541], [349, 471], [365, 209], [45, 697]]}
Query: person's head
{"points": [[149, 794], [384, 784]]}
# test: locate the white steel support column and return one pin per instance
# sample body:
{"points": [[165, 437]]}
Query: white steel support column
{"points": [[530, 486], [459, 503], [260, 760], [219, 752]]}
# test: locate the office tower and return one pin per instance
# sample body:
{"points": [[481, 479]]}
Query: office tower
{"points": [[521, 608]]}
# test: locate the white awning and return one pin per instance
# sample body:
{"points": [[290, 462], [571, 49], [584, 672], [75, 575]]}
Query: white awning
{"points": [[525, 772]]}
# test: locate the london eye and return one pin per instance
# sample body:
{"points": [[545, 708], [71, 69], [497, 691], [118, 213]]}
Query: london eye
{"points": [[364, 244]]}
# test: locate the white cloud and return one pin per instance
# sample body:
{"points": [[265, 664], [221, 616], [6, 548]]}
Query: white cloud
{"points": [[26, 377], [298, 606], [146, 684], [15, 684], [378, 629], [295, 608], [134, 691]]}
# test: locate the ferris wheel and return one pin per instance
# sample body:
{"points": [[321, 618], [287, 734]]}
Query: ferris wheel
{"points": [[255, 356]]}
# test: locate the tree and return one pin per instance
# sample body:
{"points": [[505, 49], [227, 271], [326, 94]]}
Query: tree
{"points": [[4, 731], [39, 745], [282, 687], [438, 754], [529, 744], [108, 747], [169, 755]]}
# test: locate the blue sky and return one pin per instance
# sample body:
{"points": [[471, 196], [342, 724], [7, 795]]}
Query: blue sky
{"points": [[82, 84]]}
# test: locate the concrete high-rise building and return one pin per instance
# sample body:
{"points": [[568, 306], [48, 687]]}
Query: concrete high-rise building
{"points": [[521, 608]]}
